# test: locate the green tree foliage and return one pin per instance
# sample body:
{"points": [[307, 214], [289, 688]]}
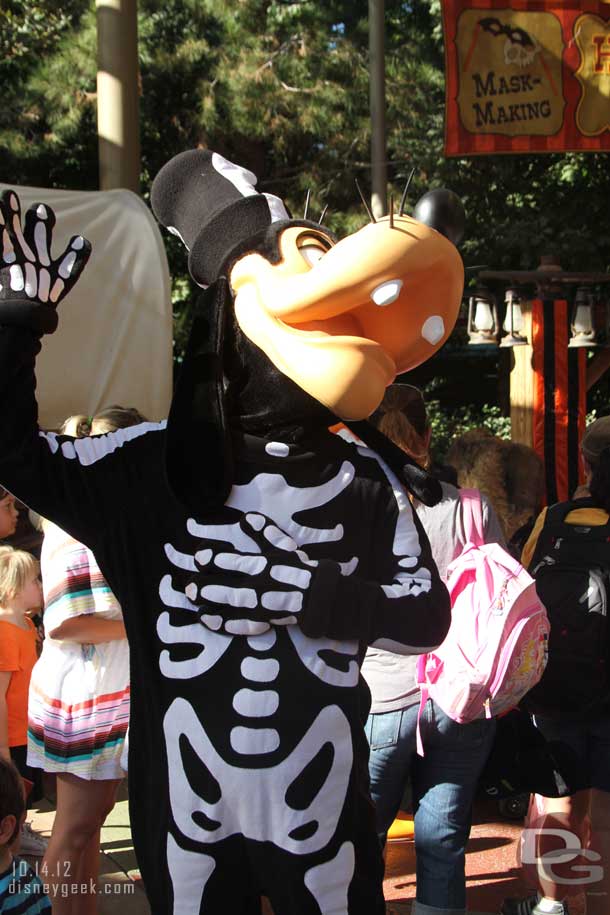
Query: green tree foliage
{"points": [[47, 73], [282, 87]]}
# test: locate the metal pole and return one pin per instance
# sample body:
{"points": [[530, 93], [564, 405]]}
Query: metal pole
{"points": [[117, 94], [379, 176]]}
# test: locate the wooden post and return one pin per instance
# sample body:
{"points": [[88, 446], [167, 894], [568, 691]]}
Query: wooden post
{"points": [[117, 94], [379, 173], [522, 384]]}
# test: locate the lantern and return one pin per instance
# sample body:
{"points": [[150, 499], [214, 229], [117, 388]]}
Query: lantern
{"points": [[513, 320], [582, 325], [482, 318]]}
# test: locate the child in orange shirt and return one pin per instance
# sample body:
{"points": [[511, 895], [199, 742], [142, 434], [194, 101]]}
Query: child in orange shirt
{"points": [[20, 591]]}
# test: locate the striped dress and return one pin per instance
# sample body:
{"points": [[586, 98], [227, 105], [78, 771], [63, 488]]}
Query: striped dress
{"points": [[79, 694]]}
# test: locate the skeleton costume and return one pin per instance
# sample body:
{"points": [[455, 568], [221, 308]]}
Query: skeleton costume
{"points": [[255, 554]]}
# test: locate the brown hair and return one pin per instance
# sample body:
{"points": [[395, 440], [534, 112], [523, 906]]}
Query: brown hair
{"points": [[12, 800], [596, 439], [15, 567], [402, 417], [115, 417], [510, 474]]}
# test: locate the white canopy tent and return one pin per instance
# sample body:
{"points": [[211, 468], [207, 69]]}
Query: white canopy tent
{"points": [[114, 340]]}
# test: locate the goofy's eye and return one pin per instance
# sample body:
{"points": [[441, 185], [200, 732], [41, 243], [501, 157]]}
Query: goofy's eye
{"points": [[312, 248]]}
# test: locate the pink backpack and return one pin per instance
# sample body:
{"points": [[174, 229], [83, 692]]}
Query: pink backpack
{"points": [[496, 647]]}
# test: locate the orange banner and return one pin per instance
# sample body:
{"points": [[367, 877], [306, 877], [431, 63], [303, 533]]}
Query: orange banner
{"points": [[526, 76]]}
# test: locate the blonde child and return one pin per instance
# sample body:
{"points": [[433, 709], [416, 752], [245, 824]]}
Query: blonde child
{"points": [[20, 592]]}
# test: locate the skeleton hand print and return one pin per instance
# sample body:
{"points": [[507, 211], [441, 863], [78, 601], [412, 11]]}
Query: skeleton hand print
{"points": [[261, 582], [28, 273]]}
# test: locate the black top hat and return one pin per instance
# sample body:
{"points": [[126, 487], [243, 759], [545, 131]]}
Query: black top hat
{"points": [[213, 207]]}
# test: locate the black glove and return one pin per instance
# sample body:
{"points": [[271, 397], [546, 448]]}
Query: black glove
{"points": [[31, 281]]}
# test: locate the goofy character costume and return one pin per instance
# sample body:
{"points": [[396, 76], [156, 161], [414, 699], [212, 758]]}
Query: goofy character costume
{"points": [[255, 553]]}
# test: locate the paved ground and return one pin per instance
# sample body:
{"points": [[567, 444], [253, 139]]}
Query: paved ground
{"points": [[492, 871]]}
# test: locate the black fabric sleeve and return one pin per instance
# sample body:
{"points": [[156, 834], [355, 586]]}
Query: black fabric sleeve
{"points": [[406, 609], [43, 470], [405, 618]]}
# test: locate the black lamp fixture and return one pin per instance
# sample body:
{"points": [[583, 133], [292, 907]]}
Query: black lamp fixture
{"points": [[482, 318], [513, 320]]}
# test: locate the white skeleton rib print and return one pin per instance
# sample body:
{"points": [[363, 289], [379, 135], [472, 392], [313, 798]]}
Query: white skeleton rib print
{"points": [[266, 577]]}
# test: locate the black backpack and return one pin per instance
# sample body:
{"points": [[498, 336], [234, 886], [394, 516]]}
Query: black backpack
{"points": [[571, 566]]}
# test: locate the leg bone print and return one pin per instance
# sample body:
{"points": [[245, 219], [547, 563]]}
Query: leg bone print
{"points": [[27, 269]]}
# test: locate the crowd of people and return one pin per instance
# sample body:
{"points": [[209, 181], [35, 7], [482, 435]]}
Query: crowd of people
{"points": [[64, 694]]}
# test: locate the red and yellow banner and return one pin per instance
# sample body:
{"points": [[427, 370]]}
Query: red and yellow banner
{"points": [[526, 76]]}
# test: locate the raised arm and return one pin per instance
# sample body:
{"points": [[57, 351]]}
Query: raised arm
{"points": [[32, 284], [52, 475]]}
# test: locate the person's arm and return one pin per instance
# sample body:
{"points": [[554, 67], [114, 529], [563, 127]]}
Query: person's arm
{"points": [[59, 477], [243, 593], [530, 547], [5, 679], [409, 615], [80, 605], [89, 629], [31, 286], [405, 608], [492, 529]]}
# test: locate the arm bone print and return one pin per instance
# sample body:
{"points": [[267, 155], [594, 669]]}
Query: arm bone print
{"points": [[271, 582]]}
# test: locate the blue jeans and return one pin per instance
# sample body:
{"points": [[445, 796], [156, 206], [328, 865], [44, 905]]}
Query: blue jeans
{"points": [[444, 782]]}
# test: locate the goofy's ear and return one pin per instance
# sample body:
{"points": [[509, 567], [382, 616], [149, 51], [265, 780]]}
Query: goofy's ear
{"points": [[199, 458], [442, 210]]}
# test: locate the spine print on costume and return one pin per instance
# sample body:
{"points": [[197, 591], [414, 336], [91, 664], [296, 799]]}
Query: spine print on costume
{"points": [[255, 553]]}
